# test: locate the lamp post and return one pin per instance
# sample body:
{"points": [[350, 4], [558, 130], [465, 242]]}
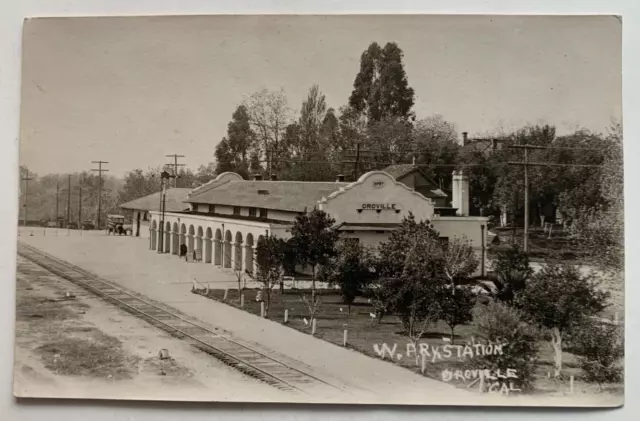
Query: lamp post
{"points": [[164, 176]]}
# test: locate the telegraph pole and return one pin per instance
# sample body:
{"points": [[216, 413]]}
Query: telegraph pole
{"points": [[26, 179], [57, 202], [357, 170], [69, 201], [79, 187], [100, 170], [526, 164], [175, 167]]}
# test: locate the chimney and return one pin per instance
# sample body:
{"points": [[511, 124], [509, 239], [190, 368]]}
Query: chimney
{"points": [[257, 177], [460, 193], [465, 140], [340, 178], [274, 177]]}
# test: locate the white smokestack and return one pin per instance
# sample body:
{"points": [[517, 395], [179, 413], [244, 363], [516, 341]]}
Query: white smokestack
{"points": [[460, 193]]}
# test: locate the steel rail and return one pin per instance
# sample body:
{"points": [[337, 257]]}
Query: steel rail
{"points": [[288, 379]]}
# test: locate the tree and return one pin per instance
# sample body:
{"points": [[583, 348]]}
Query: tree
{"points": [[393, 252], [139, 184], [411, 269], [314, 241], [500, 324], [434, 142], [599, 347], [233, 151], [456, 307], [206, 173], [460, 261], [352, 271], [306, 143], [381, 89], [270, 253], [558, 298], [512, 270], [601, 227], [268, 115], [389, 140]]}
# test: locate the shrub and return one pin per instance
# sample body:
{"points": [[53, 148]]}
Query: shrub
{"points": [[499, 323], [512, 270], [599, 348]]}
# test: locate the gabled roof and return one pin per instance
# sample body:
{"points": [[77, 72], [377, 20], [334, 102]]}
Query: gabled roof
{"points": [[174, 201], [293, 196], [399, 171]]}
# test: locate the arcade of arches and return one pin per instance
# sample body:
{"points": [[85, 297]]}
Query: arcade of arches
{"points": [[229, 248]]}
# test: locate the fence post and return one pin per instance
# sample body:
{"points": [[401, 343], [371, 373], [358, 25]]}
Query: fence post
{"points": [[241, 300], [344, 338], [261, 308], [226, 294], [423, 365], [571, 378], [286, 316], [313, 326]]}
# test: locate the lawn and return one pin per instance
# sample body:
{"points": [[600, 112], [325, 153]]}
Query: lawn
{"points": [[364, 333]]}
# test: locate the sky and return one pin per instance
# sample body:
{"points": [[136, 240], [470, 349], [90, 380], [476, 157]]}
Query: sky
{"points": [[130, 90]]}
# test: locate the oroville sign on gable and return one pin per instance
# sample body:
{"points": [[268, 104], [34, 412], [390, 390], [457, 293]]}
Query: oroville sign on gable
{"points": [[379, 206]]}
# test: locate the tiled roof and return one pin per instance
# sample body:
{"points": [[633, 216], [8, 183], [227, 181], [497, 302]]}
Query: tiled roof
{"points": [[293, 196], [174, 201]]}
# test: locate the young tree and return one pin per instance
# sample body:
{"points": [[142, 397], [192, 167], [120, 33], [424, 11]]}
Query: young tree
{"points": [[513, 270], [270, 254], [558, 298], [352, 270], [503, 325], [460, 261], [455, 309], [314, 241]]}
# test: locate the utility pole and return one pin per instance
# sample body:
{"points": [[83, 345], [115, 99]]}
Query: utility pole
{"points": [[357, 164], [175, 167], [57, 202], [526, 164], [100, 170], [26, 179], [79, 187], [164, 178], [69, 201]]}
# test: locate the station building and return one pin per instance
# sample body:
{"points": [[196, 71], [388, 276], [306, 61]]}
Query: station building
{"points": [[225, 218]]}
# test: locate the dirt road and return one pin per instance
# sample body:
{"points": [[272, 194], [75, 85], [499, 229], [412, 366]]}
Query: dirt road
{"points": [[71, 344]]}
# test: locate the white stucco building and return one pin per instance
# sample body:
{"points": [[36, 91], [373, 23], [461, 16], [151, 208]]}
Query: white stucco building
{"points": [[225, 218]]}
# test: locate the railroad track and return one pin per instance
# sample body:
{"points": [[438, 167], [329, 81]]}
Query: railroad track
{"points": [[249, 361]]}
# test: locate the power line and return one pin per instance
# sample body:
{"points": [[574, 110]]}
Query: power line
{"points": [[100, 170]]}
